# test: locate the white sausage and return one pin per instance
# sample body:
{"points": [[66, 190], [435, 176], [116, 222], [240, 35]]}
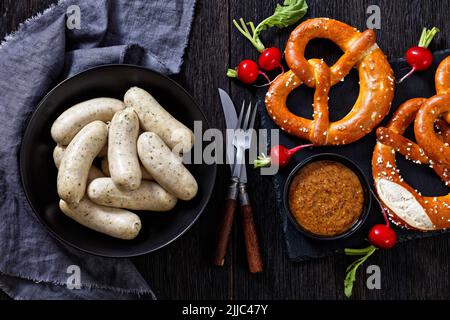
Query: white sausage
{"points": [[77, 160], [123, 160], [71, 121], [105, 168], [58, 153], [149, 196], [166, 167], [153, 117], [115, 222]]}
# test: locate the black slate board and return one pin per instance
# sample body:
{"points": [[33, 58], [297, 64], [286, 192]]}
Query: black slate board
{"points": [[342, 98]]}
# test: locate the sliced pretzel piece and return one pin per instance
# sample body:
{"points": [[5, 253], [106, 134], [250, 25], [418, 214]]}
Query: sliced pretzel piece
{"points": [[406, 206]]}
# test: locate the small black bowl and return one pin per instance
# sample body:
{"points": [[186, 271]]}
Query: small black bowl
{"points": [[364, 183]]}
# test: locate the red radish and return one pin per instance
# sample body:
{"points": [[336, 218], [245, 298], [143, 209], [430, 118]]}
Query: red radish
{"points": [[382, 236], [247, 72], [279, 156], [270, 59], [419, 57]]}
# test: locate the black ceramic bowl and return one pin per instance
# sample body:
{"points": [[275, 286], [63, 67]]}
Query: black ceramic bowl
{"points": [[364, 183], [39, 172]]}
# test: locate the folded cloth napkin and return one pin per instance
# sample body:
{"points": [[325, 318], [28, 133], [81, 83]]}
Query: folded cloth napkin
{"points": [[44, 50]]}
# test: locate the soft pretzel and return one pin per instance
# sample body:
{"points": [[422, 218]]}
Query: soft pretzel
{"points": [[442, 78], [406, 206], [360, 50], [424, 128], [444, 130]]}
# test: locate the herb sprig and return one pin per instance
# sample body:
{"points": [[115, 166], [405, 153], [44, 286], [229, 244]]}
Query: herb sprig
{"points": [[284, 15], [353, 267]]}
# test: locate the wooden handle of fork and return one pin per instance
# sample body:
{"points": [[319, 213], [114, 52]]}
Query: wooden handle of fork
{"points": [[251, 238]]}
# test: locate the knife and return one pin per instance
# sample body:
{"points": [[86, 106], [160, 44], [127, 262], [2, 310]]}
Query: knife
{"points": [[223, 235]]}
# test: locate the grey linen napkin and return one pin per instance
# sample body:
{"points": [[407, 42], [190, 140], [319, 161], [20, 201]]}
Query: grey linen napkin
{"points": [[42, 52]]}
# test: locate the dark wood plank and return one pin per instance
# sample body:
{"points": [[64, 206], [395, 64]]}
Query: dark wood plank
{"points": [[15, 12], [183, 269], [416, 270]]}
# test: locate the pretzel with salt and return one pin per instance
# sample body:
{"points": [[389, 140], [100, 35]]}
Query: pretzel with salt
{"points": [[360, 50], [406, 206]]}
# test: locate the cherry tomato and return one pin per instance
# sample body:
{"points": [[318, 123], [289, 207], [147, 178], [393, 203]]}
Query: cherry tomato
{"points": [[247, 71], [382, 236], [270, 59]]}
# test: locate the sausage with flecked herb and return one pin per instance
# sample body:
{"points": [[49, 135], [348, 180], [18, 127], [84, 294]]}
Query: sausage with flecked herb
{"points": [[105, 169], [58, 153], [153, 117], [118, 223], [71, 121], [124, 165], [166, 167], [77, 160], [149, 196]]}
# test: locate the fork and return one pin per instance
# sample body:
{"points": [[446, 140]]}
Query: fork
{"points": [[242, 140]]}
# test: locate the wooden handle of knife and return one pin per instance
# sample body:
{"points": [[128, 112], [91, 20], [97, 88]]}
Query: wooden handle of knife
{"points": [[251, 240], [224, 232]]}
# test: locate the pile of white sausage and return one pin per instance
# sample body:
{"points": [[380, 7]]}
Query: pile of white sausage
{"points": [[140, 145]]}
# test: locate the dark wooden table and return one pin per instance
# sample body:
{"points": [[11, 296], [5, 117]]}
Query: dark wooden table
{"points": [[414, 270]]}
